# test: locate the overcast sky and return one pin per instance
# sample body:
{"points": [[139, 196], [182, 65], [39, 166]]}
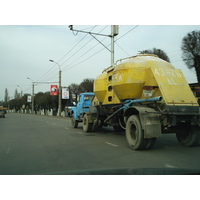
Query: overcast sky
{"points": [[26, 50]]}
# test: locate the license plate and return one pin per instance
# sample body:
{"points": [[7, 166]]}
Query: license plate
{"points": [[147, 93]]}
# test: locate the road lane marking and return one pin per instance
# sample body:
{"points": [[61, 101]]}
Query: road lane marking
{"points": [[80, 132], [66, 128], [169, 166], [54, 124], [8, 151], [47, 122], [114, 145]]}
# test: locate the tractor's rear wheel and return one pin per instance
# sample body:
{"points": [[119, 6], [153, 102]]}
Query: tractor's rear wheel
{"points": [[87, 127]]}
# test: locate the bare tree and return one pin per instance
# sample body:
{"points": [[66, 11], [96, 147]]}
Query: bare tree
{"points": [[191, 51], [6, 97], [16, 95], [87, 85], [160, 53], [74, 89]]}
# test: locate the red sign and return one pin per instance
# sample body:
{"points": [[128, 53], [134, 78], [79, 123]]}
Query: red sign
{"points": [[54, 90]]}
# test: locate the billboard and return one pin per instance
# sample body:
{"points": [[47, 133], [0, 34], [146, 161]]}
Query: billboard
{"points": [[28, 98], [54, 90], [65, 93]]}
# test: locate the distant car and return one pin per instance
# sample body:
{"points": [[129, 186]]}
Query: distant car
{"points": [[2, 113]]}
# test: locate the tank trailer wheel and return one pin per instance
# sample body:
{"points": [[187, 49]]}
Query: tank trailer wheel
{"points": [[118, 128], [87, 127], [149, 142], [74, 122], [134, 133], [188, 136]]}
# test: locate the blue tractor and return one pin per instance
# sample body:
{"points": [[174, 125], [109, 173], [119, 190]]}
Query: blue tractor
{"points": [[81, 111]]}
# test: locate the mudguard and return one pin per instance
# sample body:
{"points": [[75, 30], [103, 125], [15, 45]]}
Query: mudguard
{"points": [[150, 121], [73, 111]]}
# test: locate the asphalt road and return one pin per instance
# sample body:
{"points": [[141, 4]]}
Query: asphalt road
{"points": [[33, 144]]}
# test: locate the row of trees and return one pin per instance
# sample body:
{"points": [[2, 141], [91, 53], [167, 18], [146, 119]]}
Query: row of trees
{"points": [[46, 101], [190, 54]]}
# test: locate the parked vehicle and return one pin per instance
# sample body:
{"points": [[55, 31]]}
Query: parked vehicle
{"points": [[146, 96], [2, 113]]}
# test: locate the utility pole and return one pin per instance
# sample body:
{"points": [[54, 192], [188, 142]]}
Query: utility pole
{"points": [[21, 90], [59, 90], [114, 32], [32, 98]]}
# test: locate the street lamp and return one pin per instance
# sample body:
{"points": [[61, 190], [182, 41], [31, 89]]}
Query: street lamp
{"points": [[32, 99], [59, 90], [21, 90]]}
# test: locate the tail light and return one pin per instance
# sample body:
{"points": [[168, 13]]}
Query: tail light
{"points": [[147, 90]]}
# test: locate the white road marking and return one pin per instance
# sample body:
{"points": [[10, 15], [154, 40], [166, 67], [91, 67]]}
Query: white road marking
{"points": [[169, 166], [8, 151], [54, 124], [66, 128], [47, 122], [114, 145], [80, 132]]}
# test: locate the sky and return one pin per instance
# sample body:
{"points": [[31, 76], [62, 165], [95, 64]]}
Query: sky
{"points": [[33, 33], [27, 49]]}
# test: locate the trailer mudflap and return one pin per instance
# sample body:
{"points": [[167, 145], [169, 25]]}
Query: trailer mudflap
{"points": [[150, 122]]}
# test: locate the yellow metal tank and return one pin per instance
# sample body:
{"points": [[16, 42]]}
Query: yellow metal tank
{"points": [[130, 76], [133, 78], [100, 86]]}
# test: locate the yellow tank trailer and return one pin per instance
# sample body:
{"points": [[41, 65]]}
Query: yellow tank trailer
{"points": [[146, 96]]}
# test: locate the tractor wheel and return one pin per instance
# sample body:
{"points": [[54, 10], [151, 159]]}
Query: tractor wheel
{"points": [[74, 122], [87, 127]]}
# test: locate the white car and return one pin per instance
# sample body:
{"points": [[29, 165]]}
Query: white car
{"points": [[2, 113]]}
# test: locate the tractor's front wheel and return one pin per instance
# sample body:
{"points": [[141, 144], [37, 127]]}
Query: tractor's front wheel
{"points": [[74, 122]]}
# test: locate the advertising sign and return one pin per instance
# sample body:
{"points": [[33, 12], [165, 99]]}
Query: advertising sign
{"points": [[65, 93], [28, 98], [53, 90]]}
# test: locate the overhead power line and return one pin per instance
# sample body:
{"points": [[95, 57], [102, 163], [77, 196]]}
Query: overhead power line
{"points": [[68, 67], [122, 49], [82, 48], [84, 59], [126, 33], [47, 73]]}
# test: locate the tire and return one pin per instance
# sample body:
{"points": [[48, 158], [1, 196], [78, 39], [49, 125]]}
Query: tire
{"points": [[188, 136], [134, 133], [149, 143], [87, 127], [74, 122], [118, 128]]}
